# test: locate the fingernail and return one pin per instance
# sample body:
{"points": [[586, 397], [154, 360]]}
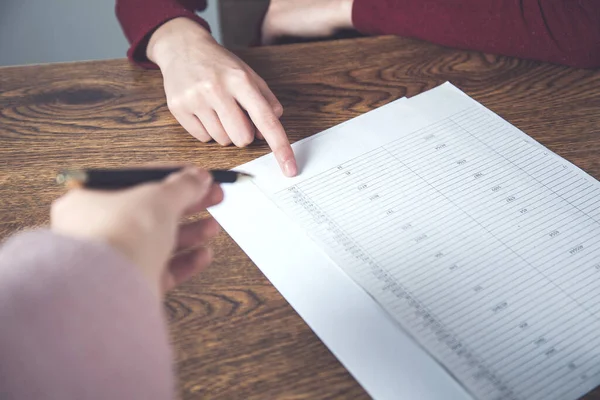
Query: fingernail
{"points": [[289, 168]]}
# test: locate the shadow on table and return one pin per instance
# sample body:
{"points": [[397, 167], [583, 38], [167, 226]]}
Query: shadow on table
{"points": [[344, 34]]}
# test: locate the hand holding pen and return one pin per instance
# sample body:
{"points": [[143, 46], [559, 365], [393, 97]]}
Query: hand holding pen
{"points": [[141, 221]]}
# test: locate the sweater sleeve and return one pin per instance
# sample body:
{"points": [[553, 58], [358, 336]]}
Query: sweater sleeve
{"points": [[140, 18], [558, 31], [78, 322]]}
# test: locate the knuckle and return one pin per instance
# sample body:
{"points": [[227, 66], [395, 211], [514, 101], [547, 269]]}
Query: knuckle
{"points": [[190, 97], [207, 86], [201, 135], [239, 76], [190, 181], [154, 190], [278, 109], [158, 192], [270, 121], [224, 142], [175, 104], [175, 100], [245, 140], [220, 137]]}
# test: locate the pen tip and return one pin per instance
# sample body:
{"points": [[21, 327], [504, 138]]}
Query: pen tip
{"points": [[244, 176]]}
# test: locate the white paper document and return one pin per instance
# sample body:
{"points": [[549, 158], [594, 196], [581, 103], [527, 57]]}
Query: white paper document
{"points": [[438, 251]]}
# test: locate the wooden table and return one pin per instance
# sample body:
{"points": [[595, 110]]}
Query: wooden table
{"points": [[235, 336]]}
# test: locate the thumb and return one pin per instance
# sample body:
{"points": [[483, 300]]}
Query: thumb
{"points": [[186, 188]]}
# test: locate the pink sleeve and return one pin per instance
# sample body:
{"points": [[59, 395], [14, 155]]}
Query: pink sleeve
{"points": [[558, 31], [78, 321]]}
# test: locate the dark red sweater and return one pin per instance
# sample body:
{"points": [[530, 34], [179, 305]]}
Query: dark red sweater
{"points": [[558, 31]]}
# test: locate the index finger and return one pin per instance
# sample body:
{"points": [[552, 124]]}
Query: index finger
{"points": [[261, 113]]}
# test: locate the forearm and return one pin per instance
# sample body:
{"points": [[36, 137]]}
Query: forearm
{"points": [[558, 31], [78, 321]]}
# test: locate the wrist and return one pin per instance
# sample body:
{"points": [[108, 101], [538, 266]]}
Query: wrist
{"points": [[165, 42], [342, 14]]}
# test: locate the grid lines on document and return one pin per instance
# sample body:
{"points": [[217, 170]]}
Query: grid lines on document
{"points": [[484, 247]]}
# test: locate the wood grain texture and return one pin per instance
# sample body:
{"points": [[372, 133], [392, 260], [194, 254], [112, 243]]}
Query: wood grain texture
{"points": [[235, 336]]}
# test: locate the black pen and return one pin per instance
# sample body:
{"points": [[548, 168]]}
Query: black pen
{"points": [[111, 179]]}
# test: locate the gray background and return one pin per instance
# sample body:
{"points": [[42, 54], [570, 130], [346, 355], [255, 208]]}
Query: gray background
{"points": [[44, 31]]}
